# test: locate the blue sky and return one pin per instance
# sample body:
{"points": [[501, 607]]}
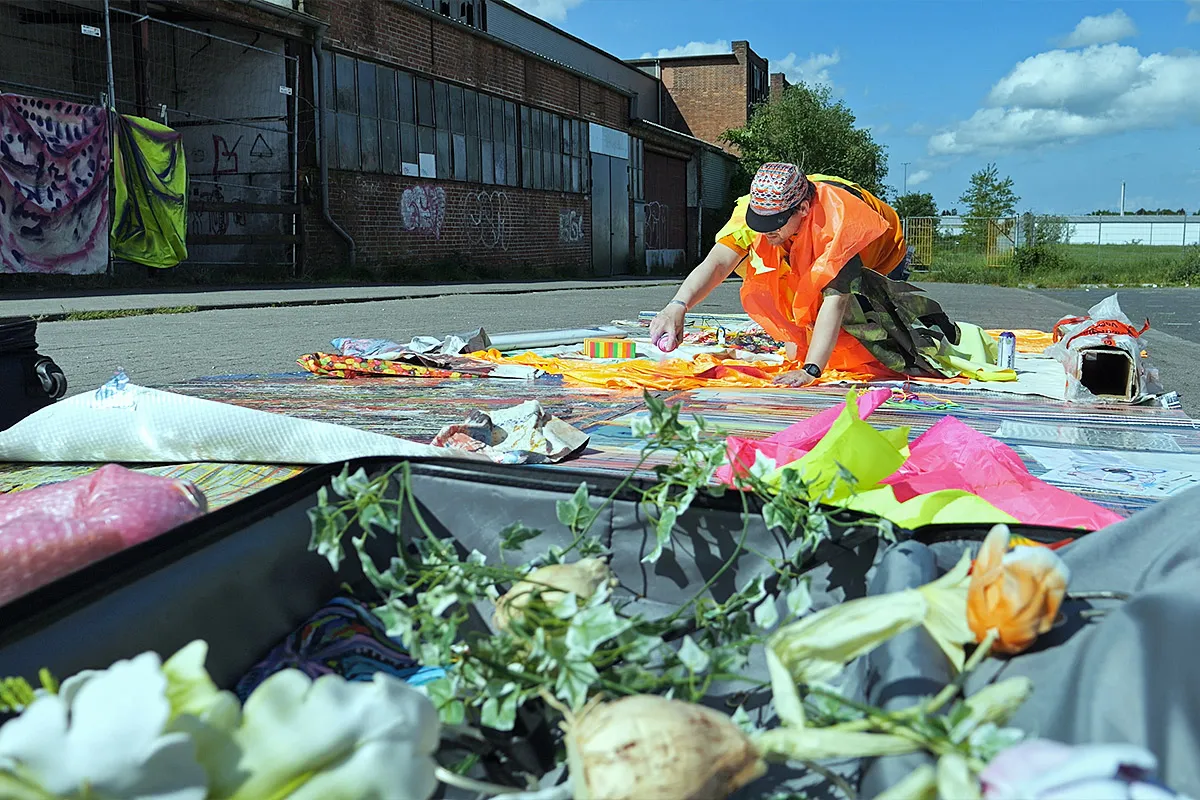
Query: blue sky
{"points": [[1069, 98]]}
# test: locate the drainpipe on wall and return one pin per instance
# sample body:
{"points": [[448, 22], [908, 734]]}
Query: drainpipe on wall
{"points": [[322, 155]]}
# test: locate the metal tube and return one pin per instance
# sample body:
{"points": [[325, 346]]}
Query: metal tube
{"points": [[322, 149], [112, 86]]}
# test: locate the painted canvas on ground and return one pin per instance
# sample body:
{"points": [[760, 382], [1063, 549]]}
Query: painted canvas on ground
{"points": [[54, 171]]}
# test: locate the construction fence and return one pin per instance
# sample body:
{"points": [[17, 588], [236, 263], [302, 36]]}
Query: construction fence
{"points": [[232, 92], [953, 243]]}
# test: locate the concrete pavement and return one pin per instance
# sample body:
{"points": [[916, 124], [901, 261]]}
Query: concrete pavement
{"points": [[60, 306], [159, 349]]}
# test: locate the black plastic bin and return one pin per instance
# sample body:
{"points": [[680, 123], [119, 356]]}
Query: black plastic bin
{"points": [[28, 381]]}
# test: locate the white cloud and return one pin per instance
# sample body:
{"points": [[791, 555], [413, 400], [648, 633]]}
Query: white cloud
{"points": [[919, 177], [1101, 30], [549, 10], [1193, 11], [813, 70], [692, 49], [1059, 97]]}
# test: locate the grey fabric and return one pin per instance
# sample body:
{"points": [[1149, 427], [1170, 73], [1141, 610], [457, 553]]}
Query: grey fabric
{"points": [[1129, 677]]}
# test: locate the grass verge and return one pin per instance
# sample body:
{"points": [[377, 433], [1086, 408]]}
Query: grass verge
{"points": [[87, 316], [1066, 266]]}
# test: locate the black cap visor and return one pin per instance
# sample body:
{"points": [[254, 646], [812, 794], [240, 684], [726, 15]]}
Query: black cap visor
{"points": [[767, 223]]}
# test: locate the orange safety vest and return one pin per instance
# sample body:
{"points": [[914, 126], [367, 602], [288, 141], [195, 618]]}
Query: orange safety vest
{"points": [[782, 291]]}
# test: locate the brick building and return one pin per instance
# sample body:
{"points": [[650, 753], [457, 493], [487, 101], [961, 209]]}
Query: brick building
{"points": [[707, 95], [408, 138]]}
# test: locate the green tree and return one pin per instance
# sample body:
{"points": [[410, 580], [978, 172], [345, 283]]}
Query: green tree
{"points": [[988, 198], [805, 126], [916, 205]]}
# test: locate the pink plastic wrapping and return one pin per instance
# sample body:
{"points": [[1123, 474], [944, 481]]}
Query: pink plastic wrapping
{"points": [[54, 530], [950, 455]]}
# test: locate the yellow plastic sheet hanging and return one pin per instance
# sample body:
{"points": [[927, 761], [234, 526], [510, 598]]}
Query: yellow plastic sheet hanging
{"points": [[864, 456]]}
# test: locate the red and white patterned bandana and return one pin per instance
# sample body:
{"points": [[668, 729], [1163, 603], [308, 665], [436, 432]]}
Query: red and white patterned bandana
{"points": [[777, 187]]}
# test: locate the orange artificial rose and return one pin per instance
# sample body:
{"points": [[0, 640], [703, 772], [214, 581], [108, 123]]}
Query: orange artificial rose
{"points": [[1016, 593]]}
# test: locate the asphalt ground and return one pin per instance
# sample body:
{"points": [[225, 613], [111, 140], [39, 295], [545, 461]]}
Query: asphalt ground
{"points": [[163, 348]]}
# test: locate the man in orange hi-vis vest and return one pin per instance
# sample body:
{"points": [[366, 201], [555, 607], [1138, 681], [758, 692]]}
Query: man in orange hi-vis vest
{"points": [[808, 247]]}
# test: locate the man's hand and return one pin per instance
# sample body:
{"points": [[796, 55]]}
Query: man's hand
{"points": [[669, 320], [795, 378]]}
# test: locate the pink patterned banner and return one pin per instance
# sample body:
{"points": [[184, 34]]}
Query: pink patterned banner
{"points": [[54, 186]]}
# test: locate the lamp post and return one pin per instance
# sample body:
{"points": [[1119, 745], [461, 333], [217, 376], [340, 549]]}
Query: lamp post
{"points": [[905, 163]]}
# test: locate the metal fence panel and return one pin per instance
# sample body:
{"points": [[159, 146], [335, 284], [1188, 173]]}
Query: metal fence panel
{"points": [[231, 91], [950, 243]]}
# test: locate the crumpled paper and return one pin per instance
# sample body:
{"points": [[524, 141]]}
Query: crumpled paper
{"points": [[521, 434], [387, 350]]}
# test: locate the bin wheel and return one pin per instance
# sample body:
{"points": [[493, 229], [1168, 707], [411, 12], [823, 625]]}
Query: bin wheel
{"points": [[53, 381]]}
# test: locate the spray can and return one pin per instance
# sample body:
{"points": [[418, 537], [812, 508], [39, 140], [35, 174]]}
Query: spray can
{"points": [[1007, 358]]}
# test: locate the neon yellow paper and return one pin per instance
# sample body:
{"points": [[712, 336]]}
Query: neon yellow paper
{"points": [[854, 446], [975, 355], [868, 455], [945, 507]]}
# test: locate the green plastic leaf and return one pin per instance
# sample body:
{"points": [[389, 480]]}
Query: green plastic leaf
{"points": [[591, 628], [575, 678], [695, 659], [988, 741], [639, 647], [641, 427], [499, 713], [662, 535], [994, 703], [766, 615], [328, 525], [515, 535], [566, 607], [372, 516], [799, 601], [577, 512]]}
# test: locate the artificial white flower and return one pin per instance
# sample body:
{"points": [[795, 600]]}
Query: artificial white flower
{"points": [[102, 736]]}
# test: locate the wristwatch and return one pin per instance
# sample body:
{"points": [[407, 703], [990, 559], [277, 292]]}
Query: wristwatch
{"points": [[812, 369]]}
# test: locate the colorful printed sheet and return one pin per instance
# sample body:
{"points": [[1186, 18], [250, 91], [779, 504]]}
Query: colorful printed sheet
{"points": [[54, 158], [420, 365]]}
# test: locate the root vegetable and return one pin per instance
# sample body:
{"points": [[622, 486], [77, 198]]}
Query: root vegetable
{"points": [[646, 747]]}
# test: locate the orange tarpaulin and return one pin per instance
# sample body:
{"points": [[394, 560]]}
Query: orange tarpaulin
{"points": [[705, 371], [1028, 341], [710, 371]]}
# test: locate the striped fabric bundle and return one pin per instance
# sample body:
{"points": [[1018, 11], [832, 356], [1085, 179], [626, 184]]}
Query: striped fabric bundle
{"points": [[609, 348]]}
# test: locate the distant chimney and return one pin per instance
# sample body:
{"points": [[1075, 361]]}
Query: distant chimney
{"points": [[779, 82]]}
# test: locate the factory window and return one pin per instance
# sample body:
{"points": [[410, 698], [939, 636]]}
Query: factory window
{"points": [[389, 121], [552, 150]]}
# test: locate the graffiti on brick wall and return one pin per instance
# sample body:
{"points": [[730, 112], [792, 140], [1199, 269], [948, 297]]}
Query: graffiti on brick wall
{"points": [[484, 213], [423, 210], [570, 226], [657, 230]]}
